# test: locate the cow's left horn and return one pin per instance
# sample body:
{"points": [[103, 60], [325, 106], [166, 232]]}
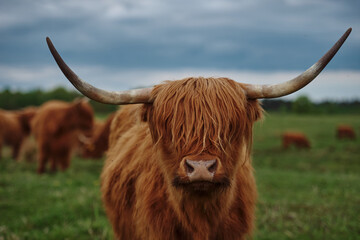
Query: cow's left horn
{"points": [[282, 89], [99, 95]]}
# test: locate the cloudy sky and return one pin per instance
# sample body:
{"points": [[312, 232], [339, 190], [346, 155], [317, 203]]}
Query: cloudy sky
{"points": [[124, 44]]}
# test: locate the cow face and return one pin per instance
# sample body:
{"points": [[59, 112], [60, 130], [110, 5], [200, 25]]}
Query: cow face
{"points": [[202, 128], [25, 116], [84, 115]]}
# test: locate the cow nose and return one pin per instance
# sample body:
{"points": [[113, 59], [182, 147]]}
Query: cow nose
{"points": [[202, 170]]}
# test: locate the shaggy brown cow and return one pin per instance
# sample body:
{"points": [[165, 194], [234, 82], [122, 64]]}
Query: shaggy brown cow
{"points": [[296, 139], [14, 128], [99, 141], [345, 132], [180, 166], [56, 128]]}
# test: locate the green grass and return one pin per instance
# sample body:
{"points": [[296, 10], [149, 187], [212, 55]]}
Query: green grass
{"points": [[303, 194], [51, 206], [307, 194]]}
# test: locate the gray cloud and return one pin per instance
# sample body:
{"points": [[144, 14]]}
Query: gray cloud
{"points": [[257, 35]]}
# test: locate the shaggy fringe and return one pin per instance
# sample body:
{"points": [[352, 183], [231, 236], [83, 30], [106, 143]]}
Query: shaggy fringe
{"points": [[202, 114]]}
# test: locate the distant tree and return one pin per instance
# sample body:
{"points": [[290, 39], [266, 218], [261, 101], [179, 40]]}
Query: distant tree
{"points": [[6, 100], [276, 105], [328, 107], [35, 97], [302, 105], [60, 93], [104, 108]]}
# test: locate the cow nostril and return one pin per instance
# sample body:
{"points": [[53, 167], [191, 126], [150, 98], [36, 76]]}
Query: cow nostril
{"points": [[212, 167], [188, 167], [200, 167]]}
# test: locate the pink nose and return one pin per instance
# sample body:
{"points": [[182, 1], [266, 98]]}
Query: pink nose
{"points": [[202, 170]]}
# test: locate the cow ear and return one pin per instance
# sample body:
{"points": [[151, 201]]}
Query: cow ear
{"points": [[254, 110], [146, 111]]}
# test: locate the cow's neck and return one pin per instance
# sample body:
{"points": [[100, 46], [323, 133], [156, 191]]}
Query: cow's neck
{"points": [[202, 215]]}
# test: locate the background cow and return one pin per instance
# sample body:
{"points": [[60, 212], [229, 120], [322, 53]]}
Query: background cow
{"points": [[296, 139], [14, 128], [181, 167], [56, 128], [345, 132], [98, 143]]}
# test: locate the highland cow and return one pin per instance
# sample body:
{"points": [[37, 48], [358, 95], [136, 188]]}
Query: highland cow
{"points": [[345, 132], [180, 167], [56, 128], [98, 143], [296, 139], [14, 128]]}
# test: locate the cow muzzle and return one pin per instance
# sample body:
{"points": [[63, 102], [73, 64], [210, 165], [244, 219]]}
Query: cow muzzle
{"points": [[201, 174], [202, 170]]}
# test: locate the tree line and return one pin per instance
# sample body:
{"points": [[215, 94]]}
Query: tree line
{"points": [[303, 105], [12, 100]]}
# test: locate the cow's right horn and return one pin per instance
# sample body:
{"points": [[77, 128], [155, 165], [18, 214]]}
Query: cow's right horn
{"points": [[110, 97], [285, 88]]}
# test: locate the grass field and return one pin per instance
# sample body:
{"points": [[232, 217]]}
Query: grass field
{"points": [[303, 194]]}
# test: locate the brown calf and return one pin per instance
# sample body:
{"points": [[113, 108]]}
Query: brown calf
{"points": [[296, 139], [345, 132]]}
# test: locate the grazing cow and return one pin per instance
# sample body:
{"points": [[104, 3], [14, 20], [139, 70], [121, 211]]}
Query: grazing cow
{"points": [[180, 167], [99, 141], [296, 139], [345, 132], [56, 128], [14, 128]]}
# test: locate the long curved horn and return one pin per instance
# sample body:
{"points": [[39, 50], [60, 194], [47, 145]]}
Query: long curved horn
{"points": [[282, 89], [99, 95]]}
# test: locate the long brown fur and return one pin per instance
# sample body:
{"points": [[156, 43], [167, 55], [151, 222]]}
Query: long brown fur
{"points": [[192, 116], [56, 127], [296, 139], [14, 128]]}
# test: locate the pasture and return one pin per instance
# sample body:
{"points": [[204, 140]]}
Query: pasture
{"points": [[303, 194]]}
